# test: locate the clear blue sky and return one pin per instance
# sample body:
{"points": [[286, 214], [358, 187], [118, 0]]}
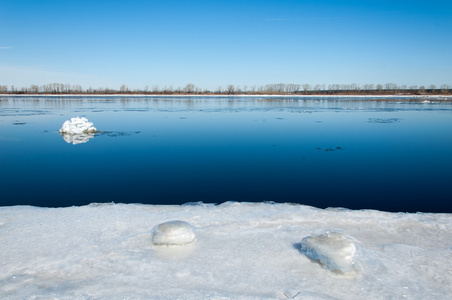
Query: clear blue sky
{"points": [[216, 43]]}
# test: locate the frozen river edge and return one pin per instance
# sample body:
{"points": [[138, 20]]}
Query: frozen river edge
{"points": [[243, 251]]}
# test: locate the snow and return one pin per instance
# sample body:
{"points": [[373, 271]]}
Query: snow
{"points": [[173, 233], [242, 251], [77, 126], [334, 251]]}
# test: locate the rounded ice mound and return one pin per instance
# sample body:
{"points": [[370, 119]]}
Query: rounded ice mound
{"points": [[77, 126], [333, 250], [173, 233]]}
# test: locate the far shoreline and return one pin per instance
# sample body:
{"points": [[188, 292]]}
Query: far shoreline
{"points": [[312, 96]]}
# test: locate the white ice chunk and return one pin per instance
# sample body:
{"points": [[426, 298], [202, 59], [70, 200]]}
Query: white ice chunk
{"points": [[173, 233], [333, 250], [77, 126]]}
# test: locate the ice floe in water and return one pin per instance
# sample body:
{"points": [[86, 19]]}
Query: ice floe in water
{"points": [[332, 249], [173, 233], [77, 126], [77, 130]]}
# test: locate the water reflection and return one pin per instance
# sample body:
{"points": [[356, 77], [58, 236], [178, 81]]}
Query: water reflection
{"points": [[81, 138], [13, 106], [75, 139]]}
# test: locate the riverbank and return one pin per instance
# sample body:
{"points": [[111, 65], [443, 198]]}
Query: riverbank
{"points": [[312, 96], [243, 251]]}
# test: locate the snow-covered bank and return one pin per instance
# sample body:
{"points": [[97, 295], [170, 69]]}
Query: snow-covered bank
{"points": [[243, 251]]}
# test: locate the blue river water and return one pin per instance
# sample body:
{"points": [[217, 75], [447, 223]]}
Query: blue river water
{"points": [[391, 154]]}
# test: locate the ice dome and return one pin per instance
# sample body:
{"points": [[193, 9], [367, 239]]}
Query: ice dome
{"points": [[333, 250], [77, 126], [173, 233]]}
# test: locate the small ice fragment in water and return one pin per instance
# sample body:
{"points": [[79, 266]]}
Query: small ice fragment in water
{"points": [[19, 123], [333, 250], [173, 233], [77, 126], [384, 120]]}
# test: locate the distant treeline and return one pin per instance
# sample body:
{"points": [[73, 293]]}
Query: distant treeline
{"points": [[268, 89]]}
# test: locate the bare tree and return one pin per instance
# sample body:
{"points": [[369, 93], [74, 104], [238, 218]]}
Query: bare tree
{"points": [[124, 88], [34, 89], [168, 90], [189, 88], [272, 88], [230, 89]]}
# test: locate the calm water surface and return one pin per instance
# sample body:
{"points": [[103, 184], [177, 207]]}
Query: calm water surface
{"points": [[358, 153]]}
